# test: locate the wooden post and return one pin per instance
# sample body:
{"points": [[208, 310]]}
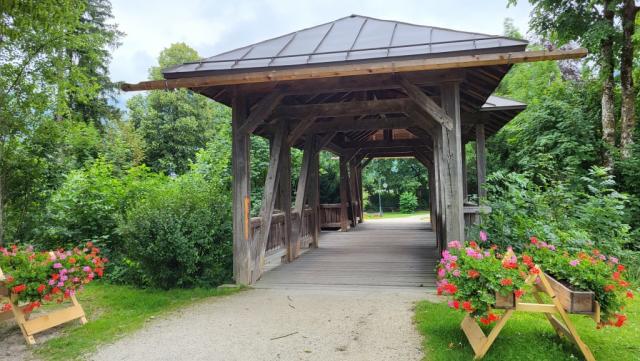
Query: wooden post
{"points": [[344, 216], [268, 201], [241, 190], [463, 155], [314, 196], [302, 191], [284, 196], [432, 197], [481, 160], [360, 193], [452, 164], [353, 194], [440, 202]]}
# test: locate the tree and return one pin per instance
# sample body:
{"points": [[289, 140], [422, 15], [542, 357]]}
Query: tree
{"points": [[174, 124], [41, 81], [629, 12]]}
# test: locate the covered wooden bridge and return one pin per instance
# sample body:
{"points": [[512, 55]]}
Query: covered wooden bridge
{"points": [[361, 88]]}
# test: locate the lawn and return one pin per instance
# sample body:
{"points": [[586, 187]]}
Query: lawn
{"points": [[113, 312], [526, 337], [389, 215]]}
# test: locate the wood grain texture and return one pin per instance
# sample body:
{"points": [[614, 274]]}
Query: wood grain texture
{"points": [[376, 254]]}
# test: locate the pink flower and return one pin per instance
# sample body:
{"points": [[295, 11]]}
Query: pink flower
{"points": [[483, 236], [613, 260], [456, 273], [57, 265], [86, 269], [454, 244], [441, 272], [574, 262]]}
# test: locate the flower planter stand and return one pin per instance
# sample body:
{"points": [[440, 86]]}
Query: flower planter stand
{"points": [[480, 343], [30, 327]]}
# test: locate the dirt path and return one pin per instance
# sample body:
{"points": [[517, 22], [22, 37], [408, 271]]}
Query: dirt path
{"points": [[283, 324]]}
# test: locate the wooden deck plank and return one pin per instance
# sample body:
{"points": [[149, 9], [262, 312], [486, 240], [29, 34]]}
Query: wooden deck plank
{"points": [[375, 254]]}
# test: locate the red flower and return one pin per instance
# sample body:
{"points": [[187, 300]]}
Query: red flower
{"points": [[41, 288], [72, 260], [473, 244], [616, 275], [623, 283], [450, 288], [485, 321], [89, 244], [6, 307], [629, 294], [55, 276], [456, 304], [506, 282], [466, 305], [518, 293], [527, 260], [473, 273], [533, 240], [19, 288], [510, 265], [609, 288], [10, 279], [55, 290], [620, 268], [535, 270], [620, 320], [47, 297]]}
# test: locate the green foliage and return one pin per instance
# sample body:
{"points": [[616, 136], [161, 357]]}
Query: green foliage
{"points": [[400, 175], [408, 202], [583, 215], [179, 235], [174, 124]]}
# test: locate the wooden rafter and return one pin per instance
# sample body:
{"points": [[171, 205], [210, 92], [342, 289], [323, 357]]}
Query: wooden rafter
{"points": [[261, 112], [426, 104], [351, 108]]}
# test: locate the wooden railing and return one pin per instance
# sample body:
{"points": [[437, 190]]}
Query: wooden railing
{"points": [[330, 215], [276, 240]]}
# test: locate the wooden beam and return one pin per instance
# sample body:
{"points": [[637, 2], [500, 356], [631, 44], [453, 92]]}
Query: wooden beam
{"points": [[284, 196], [349, 124], [451, 166], [326, 139], [268, 202], [261, 112], [299, 129], [344, 221], [314, 197], [426, 104], [481, 160], [381, 144], [241, 189], [302, 190], [351, 69], [343, 108]]}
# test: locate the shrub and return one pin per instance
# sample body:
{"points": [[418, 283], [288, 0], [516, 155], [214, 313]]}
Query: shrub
{"points": [[408, 202], [180, 234]]}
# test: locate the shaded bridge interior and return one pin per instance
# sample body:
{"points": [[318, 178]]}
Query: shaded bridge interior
{"points": [[377, 253]]}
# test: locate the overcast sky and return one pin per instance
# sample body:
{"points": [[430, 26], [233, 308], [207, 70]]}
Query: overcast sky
{"points": [[212, 27]]}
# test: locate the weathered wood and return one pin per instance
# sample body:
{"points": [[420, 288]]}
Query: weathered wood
{"points": [[241, 190], [463, 157], [299, 129], [426, 104], [573, 301], [268, 202], [340, 109], [344, 221], [451, 166], [302, 190], [381, 144], [260, 113], [353, 194], [314, 195], [481, 160], [368, 68], [326, 139], [284, 196], [345, 124]]}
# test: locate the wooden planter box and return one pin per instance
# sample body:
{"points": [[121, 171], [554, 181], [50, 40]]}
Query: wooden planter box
{"points": [[505, 302], [573, 301], [4, 292]]}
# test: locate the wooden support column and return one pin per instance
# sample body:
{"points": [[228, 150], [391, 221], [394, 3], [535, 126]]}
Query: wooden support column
{"points": [[344, 215], [439, 200], [268, 201], [241, 190], [284, 196], [463, 155], [353, 194], [452, 165], [314, 195], [432, 197], [360, 193], [481, 160], [301, 193]]}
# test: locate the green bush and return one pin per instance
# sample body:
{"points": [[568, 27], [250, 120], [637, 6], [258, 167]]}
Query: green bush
{"points": [[408, 202], [576, 216], [180, 234]]}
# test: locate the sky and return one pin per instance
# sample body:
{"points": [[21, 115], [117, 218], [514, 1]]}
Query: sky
{"points": [[212, 27]]}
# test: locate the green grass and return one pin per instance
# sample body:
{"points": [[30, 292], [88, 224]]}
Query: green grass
{"points": [[527, 336], [388, 215], [115, 311]]}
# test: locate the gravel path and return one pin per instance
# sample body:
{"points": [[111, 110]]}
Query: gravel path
{"points": [[322, 323]]}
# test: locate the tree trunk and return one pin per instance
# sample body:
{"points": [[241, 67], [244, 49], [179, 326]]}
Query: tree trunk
{"points": [[608, 105], [627, 109], [1, 212]]}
